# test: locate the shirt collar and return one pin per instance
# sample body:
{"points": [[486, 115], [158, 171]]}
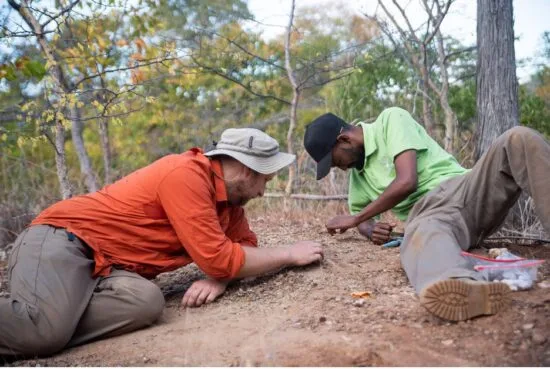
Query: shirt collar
{"points": [[369, 141], [219, 183]]}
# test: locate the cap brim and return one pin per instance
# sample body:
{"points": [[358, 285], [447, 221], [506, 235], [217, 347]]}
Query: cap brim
{"points": [[263, 165], [324, 165]]}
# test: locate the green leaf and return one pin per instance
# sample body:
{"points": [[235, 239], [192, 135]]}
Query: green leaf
{"points": [[35, 69]]}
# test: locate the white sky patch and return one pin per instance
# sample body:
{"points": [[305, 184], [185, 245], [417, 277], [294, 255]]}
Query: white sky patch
{"points": [[531, 20]]}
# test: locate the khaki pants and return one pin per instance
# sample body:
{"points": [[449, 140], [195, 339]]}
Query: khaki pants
{"points": [[55, 302], [463, 210]]}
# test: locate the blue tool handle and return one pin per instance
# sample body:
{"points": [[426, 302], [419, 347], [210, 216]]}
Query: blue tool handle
{"points": [[393, 243]]}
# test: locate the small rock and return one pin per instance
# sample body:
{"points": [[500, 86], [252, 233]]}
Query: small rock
{"points": [[337, 299], [359, 303], [524, 346], [486, 332], [538, 338], [146, 359], [528, 326], [544, 284], [447, 342], [322, 319]]}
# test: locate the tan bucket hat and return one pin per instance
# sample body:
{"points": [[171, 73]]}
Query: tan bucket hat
{"points": [[253, 148]]}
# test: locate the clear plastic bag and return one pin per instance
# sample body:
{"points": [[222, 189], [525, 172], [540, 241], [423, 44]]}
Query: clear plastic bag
{"points": [[518, 273]]}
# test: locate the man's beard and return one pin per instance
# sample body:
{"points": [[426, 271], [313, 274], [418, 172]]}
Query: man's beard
{"points": [[232, 189], [360, 162], [358, 156]]}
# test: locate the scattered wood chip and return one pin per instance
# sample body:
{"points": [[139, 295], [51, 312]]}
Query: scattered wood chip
{"points": [[361, 295]]}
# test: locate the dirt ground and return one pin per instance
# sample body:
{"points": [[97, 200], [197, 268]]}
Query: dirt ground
{"points": [[307, 317]]}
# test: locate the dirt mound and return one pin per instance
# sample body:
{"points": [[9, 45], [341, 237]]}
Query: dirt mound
{"points": [[307, 317]]}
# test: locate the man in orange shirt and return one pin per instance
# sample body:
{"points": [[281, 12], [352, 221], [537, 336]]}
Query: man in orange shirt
{"points": [[80, 271]]}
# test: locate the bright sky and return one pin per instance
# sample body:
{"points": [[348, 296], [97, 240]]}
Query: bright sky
{"points": [[531, 20]]}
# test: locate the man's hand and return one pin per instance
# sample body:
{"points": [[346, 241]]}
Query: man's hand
{"points": [[305, 252], [203, 291], [381, 232], [341, 223]]}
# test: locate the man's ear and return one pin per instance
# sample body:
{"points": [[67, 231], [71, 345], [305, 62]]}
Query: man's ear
{"points": [[247, 172], [343, 137]]}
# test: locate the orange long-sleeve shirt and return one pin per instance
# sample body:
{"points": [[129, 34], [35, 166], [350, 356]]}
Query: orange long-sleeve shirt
{"points": [[159, 218]]}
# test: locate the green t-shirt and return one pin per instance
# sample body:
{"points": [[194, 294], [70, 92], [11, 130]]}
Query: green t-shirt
{"points": [[393, 132]]}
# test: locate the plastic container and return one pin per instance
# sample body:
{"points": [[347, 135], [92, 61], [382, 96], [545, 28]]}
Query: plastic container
{"points": [[518, 273]]}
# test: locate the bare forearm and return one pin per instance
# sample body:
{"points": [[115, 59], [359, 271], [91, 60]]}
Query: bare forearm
{"points": [[262, 261], [393, 195]]}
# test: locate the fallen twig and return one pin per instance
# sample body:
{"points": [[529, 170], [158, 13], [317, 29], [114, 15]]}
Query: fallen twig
{"points": [[309, 196]]}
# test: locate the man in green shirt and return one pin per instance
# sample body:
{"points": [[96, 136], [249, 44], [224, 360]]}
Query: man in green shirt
{"points": [[396, 165]]}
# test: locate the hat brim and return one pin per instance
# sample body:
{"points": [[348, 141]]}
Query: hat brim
{"points": [[324, 165], [263, 165]]}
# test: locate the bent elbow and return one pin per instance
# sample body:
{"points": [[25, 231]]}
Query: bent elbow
{"points": [[410, 185]]}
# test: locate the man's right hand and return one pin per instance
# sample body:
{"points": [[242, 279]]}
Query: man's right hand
{"points": [[381, 232], [305, 252], [378, 233]]}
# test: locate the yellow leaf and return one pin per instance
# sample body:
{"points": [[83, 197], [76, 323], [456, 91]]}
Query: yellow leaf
{"points": [[101, 43]]}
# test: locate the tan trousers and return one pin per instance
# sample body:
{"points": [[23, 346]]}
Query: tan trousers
{"points": [[461, 211], [55, 303]]}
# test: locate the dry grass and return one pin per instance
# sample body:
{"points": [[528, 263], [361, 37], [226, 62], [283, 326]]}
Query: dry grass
{"points": [[522, 222]]}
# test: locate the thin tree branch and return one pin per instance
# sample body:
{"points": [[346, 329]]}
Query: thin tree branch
{"points": [[225, 76], [63, 11], [288, 66]]}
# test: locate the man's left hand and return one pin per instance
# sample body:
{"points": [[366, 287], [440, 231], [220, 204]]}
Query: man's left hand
{"points": [[341, 223], [203, 291]]}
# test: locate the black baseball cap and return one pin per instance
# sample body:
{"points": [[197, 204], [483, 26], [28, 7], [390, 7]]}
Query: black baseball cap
{"points": [[320, 138]]}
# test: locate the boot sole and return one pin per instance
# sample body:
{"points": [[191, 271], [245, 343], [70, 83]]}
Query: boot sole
{"points": [[456, 299]]}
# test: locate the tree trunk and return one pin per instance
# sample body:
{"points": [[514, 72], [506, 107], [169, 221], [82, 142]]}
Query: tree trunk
{"points": [[106, 148], [426, 104], [58, 78], [83, 158], [427, 110], [60, 162], [295, 99], [497, 85], [451, 121], [290, 145], [61, 87]]}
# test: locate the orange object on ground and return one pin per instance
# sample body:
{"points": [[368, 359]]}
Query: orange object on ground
{"points": [[361, 295], [159, 218]]}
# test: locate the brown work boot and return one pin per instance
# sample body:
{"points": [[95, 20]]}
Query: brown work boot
{"points": [[463, 298]]}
